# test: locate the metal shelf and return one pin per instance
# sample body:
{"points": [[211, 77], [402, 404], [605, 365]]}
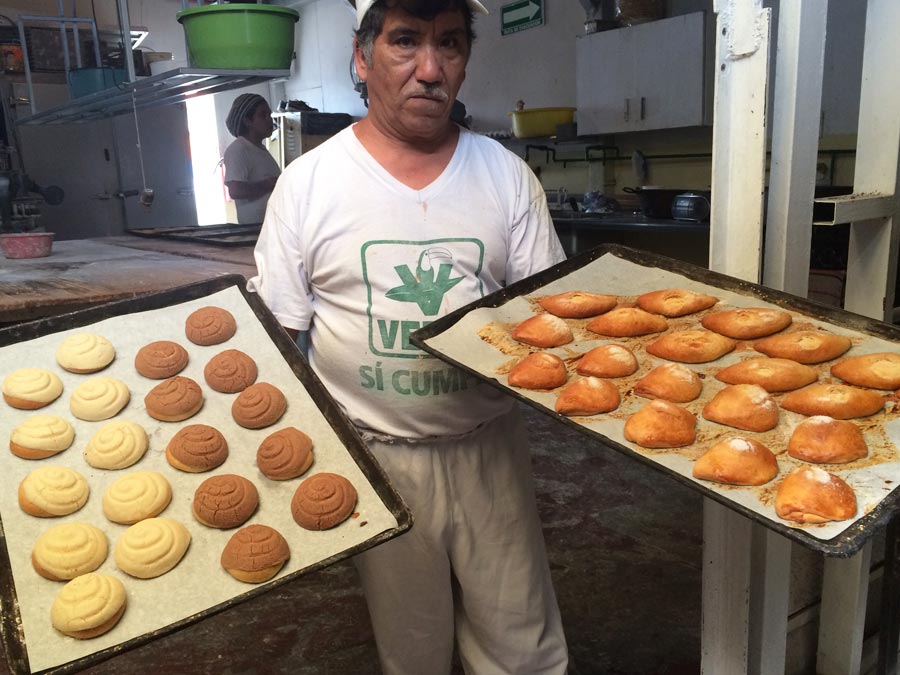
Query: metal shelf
{"points": [[167, 88]]}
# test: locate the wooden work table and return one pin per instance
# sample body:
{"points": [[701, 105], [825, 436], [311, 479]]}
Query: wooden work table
{"points": [[86, 272]]}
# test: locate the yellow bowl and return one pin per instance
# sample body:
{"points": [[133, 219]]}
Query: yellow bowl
{"points": [[540, 121]]}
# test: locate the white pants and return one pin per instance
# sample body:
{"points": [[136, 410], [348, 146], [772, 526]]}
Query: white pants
{"points": [[474, 560]]}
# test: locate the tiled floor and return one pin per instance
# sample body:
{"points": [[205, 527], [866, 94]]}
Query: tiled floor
{"points": [[625, 547]]}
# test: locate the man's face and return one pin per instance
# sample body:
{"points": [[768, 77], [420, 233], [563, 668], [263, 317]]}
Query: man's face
{"points": [[416, 71], [261, 121]]}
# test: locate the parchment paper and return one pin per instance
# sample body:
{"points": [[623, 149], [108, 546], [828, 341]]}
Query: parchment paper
{"points": [[198, 582], [872, 478]]}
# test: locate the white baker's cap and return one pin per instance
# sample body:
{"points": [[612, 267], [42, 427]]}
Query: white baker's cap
{"points": [[362, 6]]}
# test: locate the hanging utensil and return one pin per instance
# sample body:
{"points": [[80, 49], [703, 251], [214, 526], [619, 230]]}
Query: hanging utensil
{"points": [[147, 194]]}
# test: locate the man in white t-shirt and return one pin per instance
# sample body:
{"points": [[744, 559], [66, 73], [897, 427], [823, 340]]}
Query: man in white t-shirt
{"points": [[250, 171], [388, 225]]}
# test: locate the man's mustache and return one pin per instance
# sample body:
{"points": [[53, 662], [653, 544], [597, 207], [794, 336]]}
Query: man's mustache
{"points": [[430, 91]]}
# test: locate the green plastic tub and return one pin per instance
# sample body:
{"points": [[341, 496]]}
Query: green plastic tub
{"points": [[240, 36]]}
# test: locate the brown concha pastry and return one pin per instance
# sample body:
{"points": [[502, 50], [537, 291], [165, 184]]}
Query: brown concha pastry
{"points": [[323, 501], [812, 495], [197, 448], [255, 554], [737, 461], [773, 375], [259, 405], [877, 371], [607, 361], [747, 323], [577, 304], [674, 302], [588, 396], [285, 454], [840, 401], [743, 406], [627, 322], [691, 346], [230, 371], [825, 440], [210, 326], [89, 605], [225, 501], [539, 370], [661, 424], [161, 359], [804, 346], [31, 388], [543, 330], [672, 382], [174, 400]]}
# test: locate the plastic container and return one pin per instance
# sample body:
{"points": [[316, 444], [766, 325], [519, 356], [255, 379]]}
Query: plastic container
{"points": [[84, 81], [540, 121], [240, 36], [26, 244]]}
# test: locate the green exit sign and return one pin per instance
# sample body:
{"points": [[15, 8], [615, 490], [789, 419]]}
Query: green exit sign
{"points": [[521, 15]]}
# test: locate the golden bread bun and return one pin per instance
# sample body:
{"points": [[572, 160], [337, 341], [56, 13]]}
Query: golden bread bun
{"points": [[804, 346], [825, 440], [136, 496], [259, 405], [50, 491], [41, 436], [116, 445], [174, 400], [674, 302], [747, 323], [691, 346], [161, 360], [31, 388], [285, 454], [255, 554], [99, 398], [627, 322], [671, 381], [69, 550], [743, 406], [210, 326], [661, 424], [737, 461], [543, 330], [89, 605], [85, 353], [773, 375], [539, 370], [577, 304], [877, 371], [323, 501], [607, 361], [812, 495], [588, 396], [834, 400], [151, 547]]}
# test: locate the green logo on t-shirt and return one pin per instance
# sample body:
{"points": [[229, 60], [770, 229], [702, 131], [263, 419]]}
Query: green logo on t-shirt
{"points": [[425, 288]]}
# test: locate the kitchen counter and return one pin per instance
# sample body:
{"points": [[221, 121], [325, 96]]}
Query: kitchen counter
{"points": [[85, 272]]}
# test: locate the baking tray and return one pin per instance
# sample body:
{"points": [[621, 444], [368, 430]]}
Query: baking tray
{"points": [[219, 235], [441, 332], [11, 626]]}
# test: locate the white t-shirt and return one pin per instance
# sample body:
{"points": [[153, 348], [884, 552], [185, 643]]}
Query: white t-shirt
{"points": [[362, 260], [247, 162]]}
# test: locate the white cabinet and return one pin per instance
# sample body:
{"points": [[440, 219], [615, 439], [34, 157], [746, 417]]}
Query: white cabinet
{"points": [[648, 76]]}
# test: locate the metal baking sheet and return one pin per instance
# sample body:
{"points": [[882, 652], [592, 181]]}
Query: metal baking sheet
{"points": [[627, 273], [198, 587]]}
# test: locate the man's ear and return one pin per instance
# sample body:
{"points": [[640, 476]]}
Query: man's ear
{"points": [[359, 60]]}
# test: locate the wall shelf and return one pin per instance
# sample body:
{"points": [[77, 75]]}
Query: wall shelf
{"points": [[171, 87]]}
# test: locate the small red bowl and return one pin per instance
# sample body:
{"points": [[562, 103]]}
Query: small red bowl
{"points": [[26, 244]]}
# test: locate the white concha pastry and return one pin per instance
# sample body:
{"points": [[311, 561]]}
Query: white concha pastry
{"points": [[53, 491], [136, 496], [85, 353], [116, 445], [99, 398], [31, 388], [69, 550], [151, 547], [41, 436], [89, 605]]}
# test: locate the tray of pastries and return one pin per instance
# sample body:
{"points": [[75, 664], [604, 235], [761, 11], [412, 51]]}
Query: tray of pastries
{"points": [[777, 407], [166, 458]]}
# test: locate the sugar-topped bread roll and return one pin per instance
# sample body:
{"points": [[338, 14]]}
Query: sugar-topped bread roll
{"points": [[627, 322], [607, 361], [69, 550], [255, 554], [197, 448], [588, 396], [747, 323], [210, 326], [543, 330], [151, 547], [89, 605], [260, 405], [323, 501], [285, 454], [804, 346], [691, 346], [539, 370], [773, 375], [51, 491], [743, 406], [174, 400], [877, 371], [85, 353], [673, 382], [737, 461], [230, 371], [161, 359], [41, 436], [225, 501], [674, 302], [31, 388], [577, 304], [840, 401], [99, 398], [116, 445], [661, 424], [136, 496], [812, 495], [825, 440]]}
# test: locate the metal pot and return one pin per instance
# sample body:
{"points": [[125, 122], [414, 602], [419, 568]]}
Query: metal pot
{"points": [[655, 202], [693, 206]]}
